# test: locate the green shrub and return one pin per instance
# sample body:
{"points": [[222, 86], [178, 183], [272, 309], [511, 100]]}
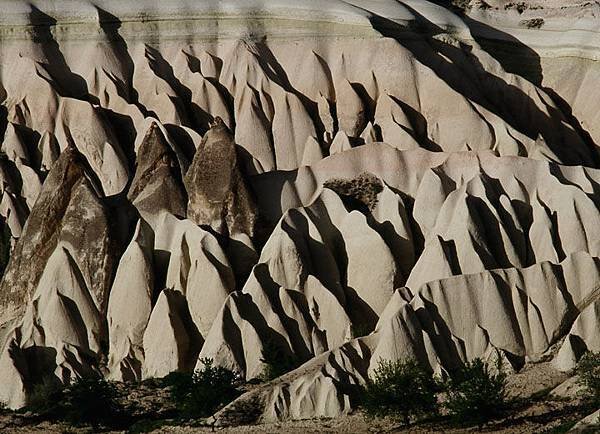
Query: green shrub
{"points": [[475, 394], [205, 391], [87, 401], [93, 401], [588, 370], [277, 361], [400, 389], [46, 397]]}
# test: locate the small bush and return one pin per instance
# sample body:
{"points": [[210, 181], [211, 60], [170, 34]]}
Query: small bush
{"points": [[93, 401], [534, 23], [475, 394], [277, 361], [588, 370], [87, 401], [401, 389], [205, 391], [46, 397]]}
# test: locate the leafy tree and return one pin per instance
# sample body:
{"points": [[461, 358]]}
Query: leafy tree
{"points": [[475, 394], [400, 389], [205, 391], [588, 370], [93, 401], [86, 401]]}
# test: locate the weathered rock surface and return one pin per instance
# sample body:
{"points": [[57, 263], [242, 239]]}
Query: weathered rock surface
{"points": [[170, 340], [129, 307], [218, 196], [157, 184], [338, 185]]}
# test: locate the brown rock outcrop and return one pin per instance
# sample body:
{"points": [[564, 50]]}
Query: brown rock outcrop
{"points": [[218, 195]]}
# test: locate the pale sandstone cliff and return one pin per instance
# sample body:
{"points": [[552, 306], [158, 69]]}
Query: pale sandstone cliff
{"points": [[362, 181]]}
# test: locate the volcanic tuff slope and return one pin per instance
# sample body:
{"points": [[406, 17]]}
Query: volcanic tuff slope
{"points": [[379, 179]]}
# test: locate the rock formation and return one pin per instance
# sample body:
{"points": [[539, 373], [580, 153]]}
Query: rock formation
{"points": [[339, 184], [218, 196]]}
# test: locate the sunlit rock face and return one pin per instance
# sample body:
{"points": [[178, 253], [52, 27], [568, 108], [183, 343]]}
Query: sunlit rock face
{"points": [[338, 182]]}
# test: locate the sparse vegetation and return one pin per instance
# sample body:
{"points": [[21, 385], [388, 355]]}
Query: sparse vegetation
{"points": [[358, 193], [476, 394], [401, 390], [277, 361], [520, 7], [588, 370], [534, 23], [203, 392], [93, 401], [46, 397], [87, 401]]}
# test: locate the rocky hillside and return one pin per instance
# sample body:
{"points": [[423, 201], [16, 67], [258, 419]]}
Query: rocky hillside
{"points": [[343, 183]]}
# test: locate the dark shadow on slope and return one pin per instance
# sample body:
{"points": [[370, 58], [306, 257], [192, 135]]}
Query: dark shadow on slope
{"points": [[439, 334], [190, 113], [567, 111], [14, 183], [514, 56], [39, 363], [162, 69], [595, 195], [196, 339], [183, 140], [317, 258], [572, 310], [491, 230], [451, 255], [110, 24], [272, 291], [419, 125], [346, 382], [3, 121], [61, 78], [241, 258], [194, 65], [161, 259], [511, 322], [123, 221], [418, 238], [124, 130], [464, 73], [276, 73], [233, 336], [249, 311], [30, 138], [556, 240], [517, 58]]}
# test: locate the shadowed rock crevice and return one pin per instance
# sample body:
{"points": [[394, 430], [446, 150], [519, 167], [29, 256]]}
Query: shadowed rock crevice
{"points": [[445, 60], [295, 189]]}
